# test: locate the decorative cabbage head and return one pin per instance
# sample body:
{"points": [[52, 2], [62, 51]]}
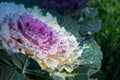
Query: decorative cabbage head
{"points": [[54, 42], [41, 37]]}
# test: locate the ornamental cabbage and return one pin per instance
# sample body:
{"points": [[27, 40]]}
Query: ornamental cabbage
{"points": [[41, 37], [52, 40]]}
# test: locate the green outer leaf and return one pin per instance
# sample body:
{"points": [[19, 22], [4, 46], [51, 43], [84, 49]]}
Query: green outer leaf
{"points": [[90, 27], [9, 73], [42, 75], [3, 50], [27, 65], [6, 59], [21, 61], [70, 25], [80, 73], [19, 65], [92, 54], [89, 12]]}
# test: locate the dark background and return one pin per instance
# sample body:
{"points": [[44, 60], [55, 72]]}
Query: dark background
{"points": [[108, 38]]}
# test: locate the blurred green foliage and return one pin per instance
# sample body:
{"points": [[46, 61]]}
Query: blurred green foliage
{"points": [[108, 38]]}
